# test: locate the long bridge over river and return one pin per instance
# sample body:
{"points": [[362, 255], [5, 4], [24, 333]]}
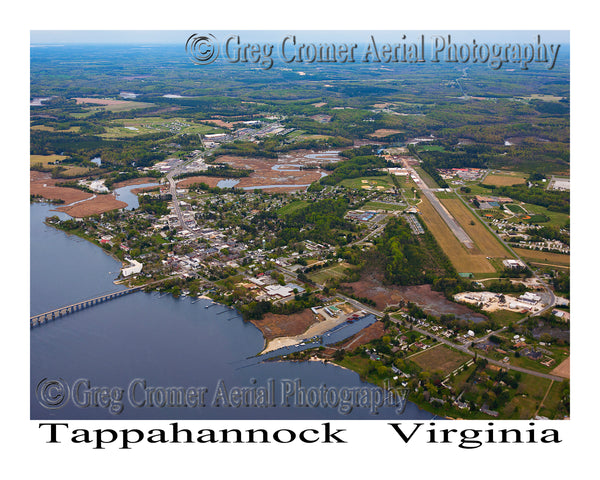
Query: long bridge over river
{"points": [[42, 318]]}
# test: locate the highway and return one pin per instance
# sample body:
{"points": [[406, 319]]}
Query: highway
{"points": [[173, 191]]}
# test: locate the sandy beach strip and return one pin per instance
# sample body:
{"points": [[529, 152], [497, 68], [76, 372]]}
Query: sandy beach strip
{"points": [[314, 330]]}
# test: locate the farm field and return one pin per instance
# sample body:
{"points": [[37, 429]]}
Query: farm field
{"points": [[462, 260], [564, 369], [487, 243], [504, 179], [439, 358], [539, 257], [45, 160], [46, 128]]}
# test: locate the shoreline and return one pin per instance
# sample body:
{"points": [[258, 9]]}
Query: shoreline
{"points": [[110, 254], [315, 329]]}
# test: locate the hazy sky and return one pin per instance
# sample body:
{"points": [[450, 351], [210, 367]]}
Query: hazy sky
{"points": [[359, 36]]}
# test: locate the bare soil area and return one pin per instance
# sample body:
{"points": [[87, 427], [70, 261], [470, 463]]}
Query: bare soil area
{"points": [[434, 303], [217, 122], [384, 132], [564, 369], [366, 335], [273, 326], [283, 171]]}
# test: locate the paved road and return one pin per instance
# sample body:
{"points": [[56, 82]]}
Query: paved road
{"points": [[173, 191], [462, 348]]}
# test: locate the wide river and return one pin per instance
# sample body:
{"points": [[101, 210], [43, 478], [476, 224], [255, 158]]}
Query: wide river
{"points": [[117, 360]]}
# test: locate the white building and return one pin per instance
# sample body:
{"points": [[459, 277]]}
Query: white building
{"points": [[134, 267], [278, 291], [530, 297], [510, 263]]}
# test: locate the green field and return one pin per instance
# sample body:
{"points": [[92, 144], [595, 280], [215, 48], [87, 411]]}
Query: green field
{"points": [[336, 272], [515, 208], [145, 125], [535, 218], [430, 182], [445, 195], [121, 107], [382, 206], [552, 399], [530, 393], [431, 148], [373, 182], [556, 218], [505, 317], [291, 207]]}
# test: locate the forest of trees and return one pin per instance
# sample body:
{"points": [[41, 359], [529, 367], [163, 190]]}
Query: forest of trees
{"points": [[410, 260], [321, 221]]}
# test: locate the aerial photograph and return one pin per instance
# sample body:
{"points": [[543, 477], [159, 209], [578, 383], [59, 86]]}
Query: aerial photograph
{"points": [[299, 225]]}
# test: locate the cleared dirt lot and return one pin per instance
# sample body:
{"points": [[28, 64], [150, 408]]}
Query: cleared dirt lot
{"points": [[434, 303], [273, 326], [564, 369], [366, 335], [462, 260], [384, 132], [284, 172]]}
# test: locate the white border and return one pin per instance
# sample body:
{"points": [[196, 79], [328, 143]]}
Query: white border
{"points": [[376, 450]]}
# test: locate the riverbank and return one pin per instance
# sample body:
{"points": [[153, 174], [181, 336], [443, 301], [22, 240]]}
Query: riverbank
{"points": [[317, 328], [92, 241]]}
